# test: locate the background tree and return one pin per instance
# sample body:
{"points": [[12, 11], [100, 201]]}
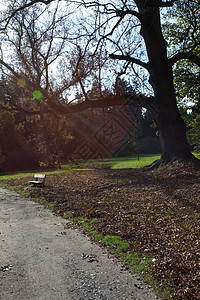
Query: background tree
{"points": [[84, 75], [11, 141], [132, 30], [182, 33], [35, 52], [48, 138]]}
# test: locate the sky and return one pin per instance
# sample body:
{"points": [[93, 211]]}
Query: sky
{"points": [[3, 5]]}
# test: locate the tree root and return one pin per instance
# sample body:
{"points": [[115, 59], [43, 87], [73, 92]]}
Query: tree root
{"points": [[162, 162]]}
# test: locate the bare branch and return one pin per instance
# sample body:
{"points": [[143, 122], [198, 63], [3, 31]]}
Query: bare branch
{"points": [[122, 13], [130, 59], [167, 3], [159, 3], [9, 68], [190, 56], [31, 3]]}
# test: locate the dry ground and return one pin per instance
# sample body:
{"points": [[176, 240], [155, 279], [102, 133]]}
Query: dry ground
{"points": [[157, 211]]}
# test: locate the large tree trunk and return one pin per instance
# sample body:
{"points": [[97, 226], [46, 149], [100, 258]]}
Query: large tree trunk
{"points": [[171, 127], [172, 131]]}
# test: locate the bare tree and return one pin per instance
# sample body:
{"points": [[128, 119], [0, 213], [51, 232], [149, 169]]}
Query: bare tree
{"points": [[120, 23], [47, 63]]}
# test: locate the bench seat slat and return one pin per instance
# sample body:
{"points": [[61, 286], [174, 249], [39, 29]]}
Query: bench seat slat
{"points": [[39, 176], [37, 181]]}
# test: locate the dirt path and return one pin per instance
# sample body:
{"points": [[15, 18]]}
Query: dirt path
{"points": [[42, 257]]}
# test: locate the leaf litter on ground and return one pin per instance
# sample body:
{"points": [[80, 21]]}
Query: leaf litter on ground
{"points": [[156, 211]]}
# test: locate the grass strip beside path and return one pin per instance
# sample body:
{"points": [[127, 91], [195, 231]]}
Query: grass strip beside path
{"points": [[149, 218]]}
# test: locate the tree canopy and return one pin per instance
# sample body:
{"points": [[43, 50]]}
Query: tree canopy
{"points": [[186, 73], [89, 40]]}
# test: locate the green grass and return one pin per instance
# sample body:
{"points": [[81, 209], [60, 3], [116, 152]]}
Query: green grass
{"points": [[81, 165], [16, 188], [111, 163], [19, 175], [132, 162], [32, 173], [139, 263], [24, 192], [114, 162]]}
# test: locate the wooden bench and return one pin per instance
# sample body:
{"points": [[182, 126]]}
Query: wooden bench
{"points": [[39, 180]]}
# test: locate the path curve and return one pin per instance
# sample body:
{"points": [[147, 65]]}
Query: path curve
{"points": [[43, 257]]}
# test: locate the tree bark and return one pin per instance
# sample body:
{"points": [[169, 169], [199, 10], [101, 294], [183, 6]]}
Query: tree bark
{"points": [[171, 127]]}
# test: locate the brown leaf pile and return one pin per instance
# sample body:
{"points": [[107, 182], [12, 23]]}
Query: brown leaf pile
{"points": [[157, 211]]}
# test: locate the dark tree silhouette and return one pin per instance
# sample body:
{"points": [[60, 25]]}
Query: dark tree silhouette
{"points": [[162, 103]]}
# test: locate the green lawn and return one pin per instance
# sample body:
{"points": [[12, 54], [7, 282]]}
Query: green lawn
{"points": [[132, 162], [115, 162], [112, 163]]}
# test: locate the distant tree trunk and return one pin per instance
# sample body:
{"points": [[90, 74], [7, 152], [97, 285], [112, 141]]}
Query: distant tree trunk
{"points": [[172, 129]]}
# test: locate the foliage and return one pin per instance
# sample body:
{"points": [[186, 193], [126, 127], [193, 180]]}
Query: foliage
{"points": [[10, 133], [79, 53], [186, 79], [183, 35], [149, 144], [194, 131], [11, 137], [2, 158], [48, 136]]}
